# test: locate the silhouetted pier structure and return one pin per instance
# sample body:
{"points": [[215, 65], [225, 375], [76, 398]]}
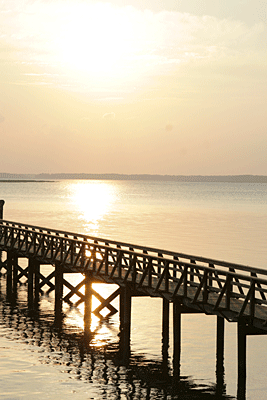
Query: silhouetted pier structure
{"points": [[192, 284]]}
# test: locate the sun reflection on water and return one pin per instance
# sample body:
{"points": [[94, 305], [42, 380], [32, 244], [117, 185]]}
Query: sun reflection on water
{"points": [[92, 199], [103, 331]]}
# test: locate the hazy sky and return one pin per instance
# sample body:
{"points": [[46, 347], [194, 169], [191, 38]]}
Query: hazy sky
{"points": [[133, 86]]}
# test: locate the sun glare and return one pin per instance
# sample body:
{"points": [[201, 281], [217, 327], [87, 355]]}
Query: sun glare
{"points": [[99, 42]]}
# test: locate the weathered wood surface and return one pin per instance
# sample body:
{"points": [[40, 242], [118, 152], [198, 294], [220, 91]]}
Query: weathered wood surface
{"points": [[215, 287]]}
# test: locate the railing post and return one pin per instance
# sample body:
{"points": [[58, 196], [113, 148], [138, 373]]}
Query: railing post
{"points": [[159, 263], [145, 260], [210, 282], [119, 258], [252, 301], [134, 274], [191, 273], [229, 291], [167, 273], [94, 258], [175, 267], [11, 239], [106, 262], [52, 247], [150, 270], [185, 281]]}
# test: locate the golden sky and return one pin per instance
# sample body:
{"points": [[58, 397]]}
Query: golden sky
{"points": [[173, 87]]}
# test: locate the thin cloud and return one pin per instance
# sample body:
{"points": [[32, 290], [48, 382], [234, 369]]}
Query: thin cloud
{"points": [[158, 41], [111, 99], [109, 116]]}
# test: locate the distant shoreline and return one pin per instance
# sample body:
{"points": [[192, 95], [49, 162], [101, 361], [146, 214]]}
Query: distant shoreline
{"points": [[4, 177], [22, 180]]}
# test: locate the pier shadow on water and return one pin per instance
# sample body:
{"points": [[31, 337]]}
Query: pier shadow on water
{"points": [[107, 366]]}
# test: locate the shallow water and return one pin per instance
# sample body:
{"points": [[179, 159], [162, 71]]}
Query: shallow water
{"points": [[217, 220]]}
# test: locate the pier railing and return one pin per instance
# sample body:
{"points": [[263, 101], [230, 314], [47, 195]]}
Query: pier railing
{"points": [[208, 285]]}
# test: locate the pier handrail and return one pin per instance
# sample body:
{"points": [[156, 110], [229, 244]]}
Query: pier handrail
{"points": [[149, 251]]}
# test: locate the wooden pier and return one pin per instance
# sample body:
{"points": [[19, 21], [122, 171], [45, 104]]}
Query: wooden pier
{"points": [[192, 284]]}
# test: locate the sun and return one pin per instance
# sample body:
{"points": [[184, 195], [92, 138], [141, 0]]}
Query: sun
{"points": [[99, 42]]}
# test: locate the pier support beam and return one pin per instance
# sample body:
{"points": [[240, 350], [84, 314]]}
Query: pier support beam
{"points": [[121, 310], [88, 297], [165, 333], [30, 283], [58, 293], [220, 386], [242, 350], [36, 283], [9, 274], [176, 339], [33, 283], [125, 321], [2, 202], [15, 276]]}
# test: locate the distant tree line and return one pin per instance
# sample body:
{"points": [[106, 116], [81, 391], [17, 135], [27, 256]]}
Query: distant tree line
{"points": [[148, 177]]}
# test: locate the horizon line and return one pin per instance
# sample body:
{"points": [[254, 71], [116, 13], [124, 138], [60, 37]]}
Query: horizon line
{"points": [[245, 178]]}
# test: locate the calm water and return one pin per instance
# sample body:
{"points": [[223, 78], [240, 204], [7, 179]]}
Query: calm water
{"points": [[218, 220]]}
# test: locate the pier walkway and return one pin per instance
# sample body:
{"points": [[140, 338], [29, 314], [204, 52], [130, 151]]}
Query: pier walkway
{"points": [[229, 290]]}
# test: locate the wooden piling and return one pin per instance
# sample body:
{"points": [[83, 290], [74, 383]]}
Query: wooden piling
{"points": [[165, 333], [2, 202], [88, 296], [220, 343], [9, 268], [15, 275], [127, 314], [36, 283], [58, 293], [220, 386], [30, 283], [176, 339], [121, 311], [125, 321], [241, 353]]}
